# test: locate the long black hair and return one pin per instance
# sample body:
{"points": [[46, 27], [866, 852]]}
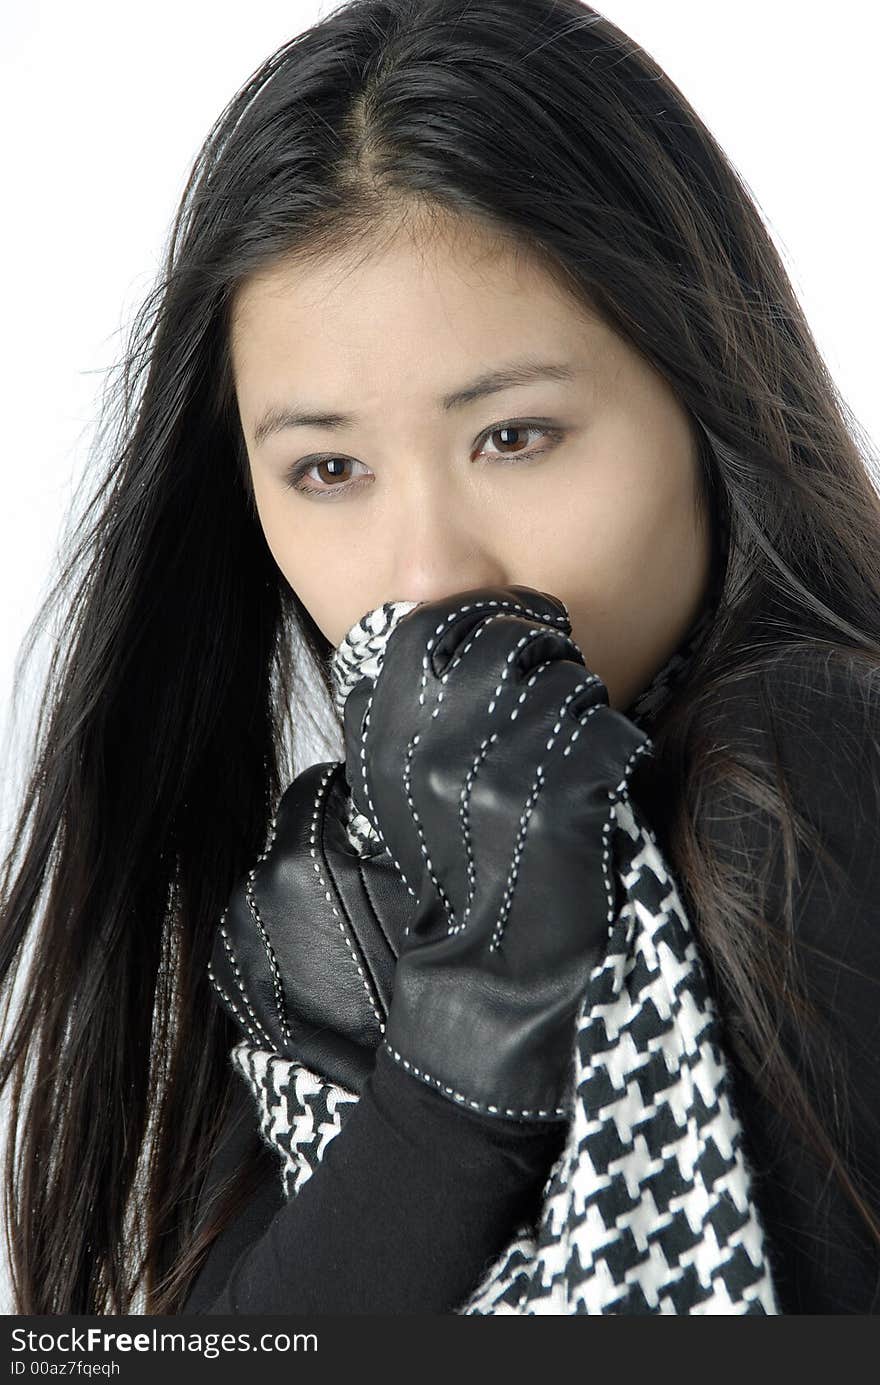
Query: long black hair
{"points": [[161, 749]]}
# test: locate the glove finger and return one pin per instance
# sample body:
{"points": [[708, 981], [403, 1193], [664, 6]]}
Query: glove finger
{"points": [[402, 846], [225, 972], [486, 673], [428, 636], [357, 705], [471, 811], [316, 914], [453, 621], [572, 823], [377, 902]]}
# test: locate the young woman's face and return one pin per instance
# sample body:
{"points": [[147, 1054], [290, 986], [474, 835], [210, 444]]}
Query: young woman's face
{"points": [[433, 478]]}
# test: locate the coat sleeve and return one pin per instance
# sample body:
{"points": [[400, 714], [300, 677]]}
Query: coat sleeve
{"points": [[412, 1200], [820, 726]]}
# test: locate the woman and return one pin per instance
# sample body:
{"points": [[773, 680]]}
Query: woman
{"points": [[409, 196]]}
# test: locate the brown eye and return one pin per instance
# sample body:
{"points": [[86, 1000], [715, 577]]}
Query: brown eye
{"points": [[511, 434], [513, 440], [330, 473], [336, 463]]}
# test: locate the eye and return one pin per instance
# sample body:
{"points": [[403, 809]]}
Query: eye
{"points": [[510, 434], [334, 467]]}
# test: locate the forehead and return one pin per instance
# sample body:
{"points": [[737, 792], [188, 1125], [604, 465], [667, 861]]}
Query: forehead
{"points": [[456, 288]]}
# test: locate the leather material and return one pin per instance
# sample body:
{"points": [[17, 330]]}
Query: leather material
{"points": [[488, 759], [305, 953]]}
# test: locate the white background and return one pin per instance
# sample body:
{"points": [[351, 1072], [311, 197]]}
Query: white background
{"points": [[104, 106]]}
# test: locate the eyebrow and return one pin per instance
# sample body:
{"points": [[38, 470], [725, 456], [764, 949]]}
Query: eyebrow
{"points": [[278, 417]]}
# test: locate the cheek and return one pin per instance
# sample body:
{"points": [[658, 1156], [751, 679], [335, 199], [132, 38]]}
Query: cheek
{"points": [[323, 575], [627, 556], [596, 531], [286, 547], [629, 506]]}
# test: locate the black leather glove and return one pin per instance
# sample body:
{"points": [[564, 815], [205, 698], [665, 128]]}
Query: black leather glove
{"points": [[487, 758], [304, 955]]}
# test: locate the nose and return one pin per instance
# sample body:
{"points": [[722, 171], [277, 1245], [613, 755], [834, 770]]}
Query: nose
{"points": [[439, 546]]}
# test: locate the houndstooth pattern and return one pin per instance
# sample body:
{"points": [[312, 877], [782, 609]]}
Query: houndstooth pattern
{"points": [[300, 1112], [648, 1207]]}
